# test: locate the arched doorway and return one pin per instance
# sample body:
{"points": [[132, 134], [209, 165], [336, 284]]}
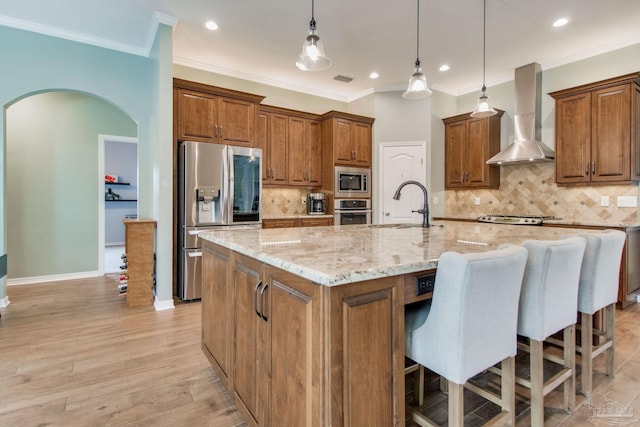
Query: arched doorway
{"points": [[52, 180]]}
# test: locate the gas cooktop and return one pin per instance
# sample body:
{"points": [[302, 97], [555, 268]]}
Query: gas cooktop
{"points": [[515, 219]]}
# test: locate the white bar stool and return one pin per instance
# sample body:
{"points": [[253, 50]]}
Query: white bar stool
{"points": [[470, 325], [599, 289], [548, 304]]}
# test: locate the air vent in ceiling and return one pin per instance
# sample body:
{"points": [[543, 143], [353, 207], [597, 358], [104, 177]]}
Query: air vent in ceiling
{"points": [[344, 79]]}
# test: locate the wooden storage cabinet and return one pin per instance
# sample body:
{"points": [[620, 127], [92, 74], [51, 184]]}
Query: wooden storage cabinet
{"points": [[292, 147], [217, 310], [305, 354], [296, 222], [140, 249], [209, 114], [597, 137], [469, 143], [346, 139]]}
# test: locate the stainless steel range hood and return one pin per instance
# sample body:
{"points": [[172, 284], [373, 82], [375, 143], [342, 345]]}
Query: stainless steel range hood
{"points": [[527, 148]]}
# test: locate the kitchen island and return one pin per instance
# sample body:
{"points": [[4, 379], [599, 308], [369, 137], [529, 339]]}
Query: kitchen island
{"points": [[305, 326]]}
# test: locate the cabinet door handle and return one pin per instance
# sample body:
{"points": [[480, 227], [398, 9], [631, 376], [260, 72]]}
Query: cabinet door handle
{"points": [[264, 317], [215, 132], [586, 168], [220, 131], [593, 168], [255, 298]]}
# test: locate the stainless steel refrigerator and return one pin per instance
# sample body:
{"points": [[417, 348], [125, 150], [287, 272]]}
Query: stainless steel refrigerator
{"points": [[218, 186]]}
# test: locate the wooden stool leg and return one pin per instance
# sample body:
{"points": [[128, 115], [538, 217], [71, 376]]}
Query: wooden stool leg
{"points": [[586, 342], [537, 382], [508, 388], [419, 388], [570, 363], [456, 404], [610, 325]]}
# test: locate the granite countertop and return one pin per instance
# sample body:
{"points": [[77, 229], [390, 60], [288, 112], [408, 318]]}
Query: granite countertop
{"points": [[337, 255]]}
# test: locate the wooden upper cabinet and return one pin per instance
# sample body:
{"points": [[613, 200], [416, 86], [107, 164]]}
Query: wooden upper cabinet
{"points": [[348, 139], [596, 137], [293, 147], [210, 114], [469, 143], [196, 116], [278, 150]]}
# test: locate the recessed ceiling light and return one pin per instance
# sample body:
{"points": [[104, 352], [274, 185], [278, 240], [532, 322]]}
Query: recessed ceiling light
{"points": [[444, 67], [561, 22], [374, 75], [211, 25]]}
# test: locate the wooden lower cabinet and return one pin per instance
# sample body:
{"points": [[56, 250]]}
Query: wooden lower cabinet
{"points": [[217, 310], [250, 374], [296, 222], [305, 354]]}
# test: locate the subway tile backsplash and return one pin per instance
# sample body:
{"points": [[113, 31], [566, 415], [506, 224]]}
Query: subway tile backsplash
{"points": [[531, 190]]}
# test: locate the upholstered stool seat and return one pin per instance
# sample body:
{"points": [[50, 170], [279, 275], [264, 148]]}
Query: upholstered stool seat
{"points": [[469, 325], [598, 290], [548, 304]]}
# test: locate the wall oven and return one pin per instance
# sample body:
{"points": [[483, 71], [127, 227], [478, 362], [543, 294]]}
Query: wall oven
{"points": [[352, 211], [352, 182]]}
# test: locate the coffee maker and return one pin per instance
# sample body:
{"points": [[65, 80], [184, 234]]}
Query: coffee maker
{"points": [[315, 204]]}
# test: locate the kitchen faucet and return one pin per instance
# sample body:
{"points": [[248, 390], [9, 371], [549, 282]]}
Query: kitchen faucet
{"points": [[425, 209]]}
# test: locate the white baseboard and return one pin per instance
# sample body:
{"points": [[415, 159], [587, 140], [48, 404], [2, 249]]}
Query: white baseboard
{"points": [[4, 302], [52, 278], [163, 305]]}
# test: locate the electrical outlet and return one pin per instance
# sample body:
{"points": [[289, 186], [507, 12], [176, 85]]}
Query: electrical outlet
{"points": [[435, 200], [604, 201], [304, 200], [627, 202], [477, 201]]}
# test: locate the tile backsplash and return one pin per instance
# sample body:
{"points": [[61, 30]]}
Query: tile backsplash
{"points": [[531, 190], [283, 201]]}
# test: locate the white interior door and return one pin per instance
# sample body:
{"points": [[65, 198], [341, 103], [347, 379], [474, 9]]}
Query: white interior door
{"points": [[400, 162]]}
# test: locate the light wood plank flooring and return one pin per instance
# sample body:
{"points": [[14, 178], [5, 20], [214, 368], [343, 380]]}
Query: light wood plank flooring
{"points": [[72, 354]]}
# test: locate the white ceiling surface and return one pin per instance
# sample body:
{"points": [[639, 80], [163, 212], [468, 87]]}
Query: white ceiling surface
{"points": [[259, 40]]}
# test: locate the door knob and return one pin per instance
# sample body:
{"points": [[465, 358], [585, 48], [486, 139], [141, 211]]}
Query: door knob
{"points": [[386, 214]]}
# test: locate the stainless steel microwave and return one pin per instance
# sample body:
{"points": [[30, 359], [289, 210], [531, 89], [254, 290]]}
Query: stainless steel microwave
{"points": [[352, 182]]}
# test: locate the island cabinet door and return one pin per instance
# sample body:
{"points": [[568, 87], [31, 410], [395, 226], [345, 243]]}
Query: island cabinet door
{"points": [[217, 309], [294, 351], [250, 373], [366, 343]]}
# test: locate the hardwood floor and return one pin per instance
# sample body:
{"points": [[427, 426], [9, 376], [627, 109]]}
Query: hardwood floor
{"points": [[72, 354]]}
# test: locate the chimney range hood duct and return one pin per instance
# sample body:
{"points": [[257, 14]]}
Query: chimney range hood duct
{"points": [[527, 148]]}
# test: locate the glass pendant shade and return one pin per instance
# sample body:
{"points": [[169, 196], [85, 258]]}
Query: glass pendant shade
{"points": [[312, 57], [483, 108], [417, 86]]}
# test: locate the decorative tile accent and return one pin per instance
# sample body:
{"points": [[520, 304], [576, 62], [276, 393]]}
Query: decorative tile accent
{"points": [[531, 190], [283, 201]]}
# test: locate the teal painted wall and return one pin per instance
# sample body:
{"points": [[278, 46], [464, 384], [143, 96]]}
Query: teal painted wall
{"points": [[136, 85], [52, 182]]}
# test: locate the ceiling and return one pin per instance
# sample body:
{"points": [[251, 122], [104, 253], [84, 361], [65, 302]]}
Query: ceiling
{"points": [[259, 40]]}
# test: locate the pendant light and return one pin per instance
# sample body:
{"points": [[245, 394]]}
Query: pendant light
{"points": [[312, 57], [483, 108], [418, 82]]}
